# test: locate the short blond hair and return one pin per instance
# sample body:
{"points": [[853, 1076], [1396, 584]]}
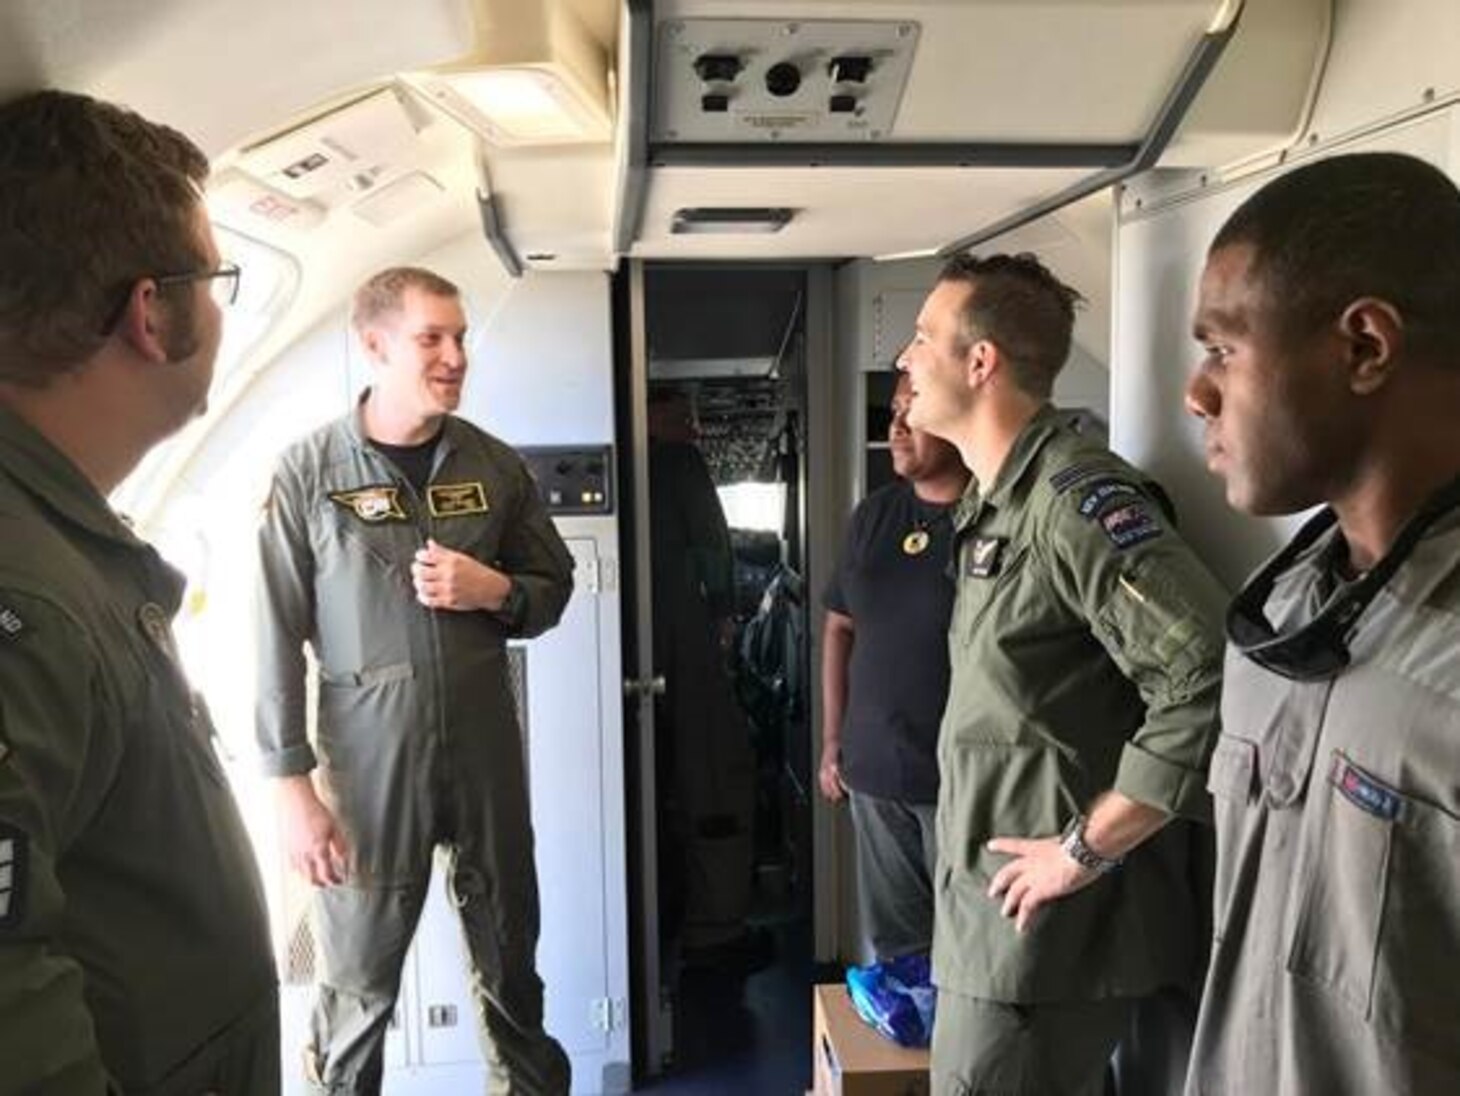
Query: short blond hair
{"points": [[383, 293]]}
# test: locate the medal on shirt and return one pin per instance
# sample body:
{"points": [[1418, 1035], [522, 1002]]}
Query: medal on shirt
{"points": [[916, 542]]}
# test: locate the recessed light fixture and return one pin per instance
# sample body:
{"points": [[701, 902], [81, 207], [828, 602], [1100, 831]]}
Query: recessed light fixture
{"points": [[521, 105]]}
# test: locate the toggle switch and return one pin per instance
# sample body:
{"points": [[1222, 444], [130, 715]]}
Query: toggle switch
{"points": [[717, 68], [849, 68]]}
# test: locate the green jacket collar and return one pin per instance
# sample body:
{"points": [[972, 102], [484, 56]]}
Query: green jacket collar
{"points": [[451, 431], [1037, 431], [47, 474]]}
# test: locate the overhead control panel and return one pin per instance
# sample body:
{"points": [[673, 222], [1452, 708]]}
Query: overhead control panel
{"points": [[572, 479], [759, 80]]}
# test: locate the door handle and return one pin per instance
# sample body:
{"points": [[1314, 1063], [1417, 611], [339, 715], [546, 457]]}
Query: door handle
{"points": [[639, 687]]}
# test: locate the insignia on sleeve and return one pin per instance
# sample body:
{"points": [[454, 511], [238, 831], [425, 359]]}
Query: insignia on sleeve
{"points": [[450, 500], [1068, 477], [1095, 497], [12, 875], [10, 623], [373, 504], [984, 555], [1129, 524]]}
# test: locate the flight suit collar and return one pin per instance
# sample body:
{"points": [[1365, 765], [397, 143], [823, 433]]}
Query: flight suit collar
{"points": [[1027, 445], [1031, 440], [452, 432], [47, 474]]}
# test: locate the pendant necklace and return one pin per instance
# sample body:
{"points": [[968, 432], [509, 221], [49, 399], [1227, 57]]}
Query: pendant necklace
{"points": [[917, 541]]}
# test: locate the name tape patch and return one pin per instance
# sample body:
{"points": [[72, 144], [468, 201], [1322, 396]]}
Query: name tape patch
{"points": [[1366, 793], [450, 500]]}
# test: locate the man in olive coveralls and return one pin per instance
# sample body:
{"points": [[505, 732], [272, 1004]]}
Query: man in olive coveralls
{"points": [[1330, 316], [134, 941], [405, 546], [1085, 654]]}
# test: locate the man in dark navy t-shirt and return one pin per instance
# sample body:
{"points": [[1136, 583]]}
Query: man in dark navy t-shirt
{"points": [[885, 678]]}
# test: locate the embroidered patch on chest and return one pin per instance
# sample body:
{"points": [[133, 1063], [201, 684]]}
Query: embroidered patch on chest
{"points": [[1364, 792], [374, 504], [1129, 524], [13, 864], [450, 500], [984, 556]]}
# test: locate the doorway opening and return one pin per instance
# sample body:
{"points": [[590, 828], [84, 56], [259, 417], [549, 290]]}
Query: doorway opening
{"points": [[722, 395]]}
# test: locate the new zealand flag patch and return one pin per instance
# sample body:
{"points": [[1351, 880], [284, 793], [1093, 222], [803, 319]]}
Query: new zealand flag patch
{"points": [[1130, 524], [1364, 792]]}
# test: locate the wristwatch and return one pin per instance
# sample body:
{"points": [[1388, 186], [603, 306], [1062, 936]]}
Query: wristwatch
{"points": [[1072, 841]]}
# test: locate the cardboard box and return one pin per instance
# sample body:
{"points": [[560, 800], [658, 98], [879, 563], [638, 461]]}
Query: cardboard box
{"points": [[849, 1058]]}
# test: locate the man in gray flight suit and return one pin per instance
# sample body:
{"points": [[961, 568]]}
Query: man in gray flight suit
{"points": [[1085, 656], [405, 546], [134, 939], [1328, 313]]}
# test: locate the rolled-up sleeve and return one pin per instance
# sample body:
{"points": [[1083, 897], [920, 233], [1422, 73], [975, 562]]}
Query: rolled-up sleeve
{"points": [[1157, 611]]}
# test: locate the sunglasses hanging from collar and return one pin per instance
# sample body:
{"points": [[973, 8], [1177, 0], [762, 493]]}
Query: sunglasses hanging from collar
{"points": [[1319, 649]]}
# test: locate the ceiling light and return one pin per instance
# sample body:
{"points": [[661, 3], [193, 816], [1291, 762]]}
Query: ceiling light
{"points": [[522, 105]]}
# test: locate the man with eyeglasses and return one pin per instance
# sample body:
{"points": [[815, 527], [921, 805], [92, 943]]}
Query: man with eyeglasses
{"points": [[134, 941], [1329, 311]]}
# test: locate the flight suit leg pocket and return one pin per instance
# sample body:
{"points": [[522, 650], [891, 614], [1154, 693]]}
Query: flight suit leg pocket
{"points": [[1336, 935]]}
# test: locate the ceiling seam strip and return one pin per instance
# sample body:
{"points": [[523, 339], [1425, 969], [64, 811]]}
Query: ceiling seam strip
{"points": [[633, 188]]}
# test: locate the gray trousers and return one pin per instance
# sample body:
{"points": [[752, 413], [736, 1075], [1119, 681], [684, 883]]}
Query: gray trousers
{"points": [[991, 1048], [364, 931], [896, 852]]}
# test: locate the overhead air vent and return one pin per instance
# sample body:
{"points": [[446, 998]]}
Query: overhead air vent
{"points": [[704, 219]]}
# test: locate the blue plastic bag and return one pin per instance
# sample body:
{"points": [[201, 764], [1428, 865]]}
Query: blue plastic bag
{"points": [[896, 998]]}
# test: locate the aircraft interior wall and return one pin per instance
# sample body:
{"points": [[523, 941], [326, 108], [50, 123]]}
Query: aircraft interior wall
{"points": [[1168, 218]]}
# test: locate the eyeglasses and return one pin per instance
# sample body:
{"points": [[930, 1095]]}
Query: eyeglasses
{"points": [[222, 282], [1319, 649], [222, 287]]}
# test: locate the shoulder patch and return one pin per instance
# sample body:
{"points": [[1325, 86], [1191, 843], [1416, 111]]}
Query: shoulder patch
{"points": [[1129, 523], [1097, 496], [10, 623], [13, 865], [376, 503], [1067, 477]]}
